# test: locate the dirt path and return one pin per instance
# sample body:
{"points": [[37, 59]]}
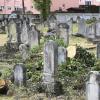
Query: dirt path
{"points": [[3, 39]]}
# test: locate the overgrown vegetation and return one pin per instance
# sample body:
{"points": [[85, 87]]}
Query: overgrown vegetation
{"points": [[44, 7], [90, 21], [72, 74]]}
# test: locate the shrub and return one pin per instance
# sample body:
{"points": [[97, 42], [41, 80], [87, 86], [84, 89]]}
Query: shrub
{"points": [[74, 71], [90, 21], [85, 57]]}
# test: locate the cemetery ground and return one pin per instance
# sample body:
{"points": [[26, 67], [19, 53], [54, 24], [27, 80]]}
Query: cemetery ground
{"points": [[73, 76], [3, 39]]}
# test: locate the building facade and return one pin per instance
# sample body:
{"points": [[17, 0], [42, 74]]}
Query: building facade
{"points": [[8, 6]]}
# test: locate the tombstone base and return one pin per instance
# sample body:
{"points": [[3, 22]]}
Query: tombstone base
{"points": [[53, 88]]}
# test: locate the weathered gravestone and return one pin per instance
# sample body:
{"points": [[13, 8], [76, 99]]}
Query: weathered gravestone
{"points": [[98, 50], [90, 31], [24, 51], [64, 32], [24, 32], [97, 29], [62, 55], [34, 37], [52, 21], [12, 32], [19, 28], [50, 67], [19, 75], [82, 27], [93, 86]]}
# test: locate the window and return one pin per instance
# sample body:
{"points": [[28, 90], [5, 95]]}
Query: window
{"points": [[17, 8], [87, 2], [2, 7], [9, 8]]}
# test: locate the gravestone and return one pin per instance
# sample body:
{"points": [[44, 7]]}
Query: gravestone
{"points": [[24, 51], [24, 32], [64, 32], [98, 50], [19, 28], [93, 86], [50, 67], [34, 37], [19, 75], [62, 55], [98, 29], [90, 31], [82, 27], [52, 21], [12, 32]]}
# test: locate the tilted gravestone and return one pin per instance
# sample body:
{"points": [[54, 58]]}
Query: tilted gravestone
{"points": [[19, 75], [64, 32], [50, 67], [34, 37], [62, 55], [93, 86], [24, 32], [98, 50], [24, 51]]}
